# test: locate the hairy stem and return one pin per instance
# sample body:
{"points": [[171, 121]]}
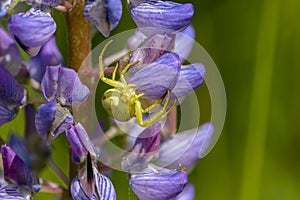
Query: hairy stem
{"points": [[78, 36], [79, 41]]}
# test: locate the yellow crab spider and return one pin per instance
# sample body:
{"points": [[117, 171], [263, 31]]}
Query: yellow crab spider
{"points": [[122, 103]]}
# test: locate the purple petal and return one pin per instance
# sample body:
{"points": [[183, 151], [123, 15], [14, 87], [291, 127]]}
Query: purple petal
{"points": [[10, 56], [145, 148], [186, 148], [17, 172], [105, 15], [77, 190], [11, 92], [81, 184], [5, 6], [3, 12], [52, 119], [32, 29], [80, 142], [6, 114], [49, 55], [155, 79], [184, 42], [18, 145], [158, 184], [150, 50], [187, 194], [13, 192], [44, 118], [163, 16], [135, 40], [78, 193], [64, 85], [105, 188], [52, 3], [190, 78]]}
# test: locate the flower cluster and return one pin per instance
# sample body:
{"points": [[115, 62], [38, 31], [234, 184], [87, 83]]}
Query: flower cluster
{"points": [[152, 81]]}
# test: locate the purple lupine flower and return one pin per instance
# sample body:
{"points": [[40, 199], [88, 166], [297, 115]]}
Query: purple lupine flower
{"points": [[158, 183], [190, 78], [154, 48], [186, 148], [83, 185], [4, 7], [188, 193], [156, 78], [52, 119], [12, 96], [135, 40], [17, 172], [13, 192], [52, 3], [49, 55], [161, 16], [18, 145], [32, 29], [150, 50], [10, 56], [145, 148], [104, 14], [80, 142], [63, 89], [184, 42], [64, 86]]}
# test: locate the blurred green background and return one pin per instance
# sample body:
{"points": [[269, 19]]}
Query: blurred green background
{"points": [[256, 46]]}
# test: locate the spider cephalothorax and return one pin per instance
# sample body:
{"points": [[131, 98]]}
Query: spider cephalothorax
{"points": [[123, 103]]}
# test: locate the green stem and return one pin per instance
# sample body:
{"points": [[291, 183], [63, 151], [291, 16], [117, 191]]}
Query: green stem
{"points": [[259, 108]]}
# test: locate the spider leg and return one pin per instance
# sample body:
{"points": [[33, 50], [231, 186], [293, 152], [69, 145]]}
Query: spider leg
{"points": [[114, 72], [157, 117], [149, 108], [108, 81], [125, 69]]}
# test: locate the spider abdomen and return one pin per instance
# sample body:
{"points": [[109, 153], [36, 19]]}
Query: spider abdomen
{"points": [[118, 105]]}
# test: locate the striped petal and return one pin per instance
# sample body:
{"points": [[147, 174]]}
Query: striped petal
{"points": [[32, 29], [105, 188], [158, 183], [155, 79], [78, 192], [13, 192], [81, 184], [162, 16], [186, 148], [104, 14], [190, 78], [64, 85]]}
